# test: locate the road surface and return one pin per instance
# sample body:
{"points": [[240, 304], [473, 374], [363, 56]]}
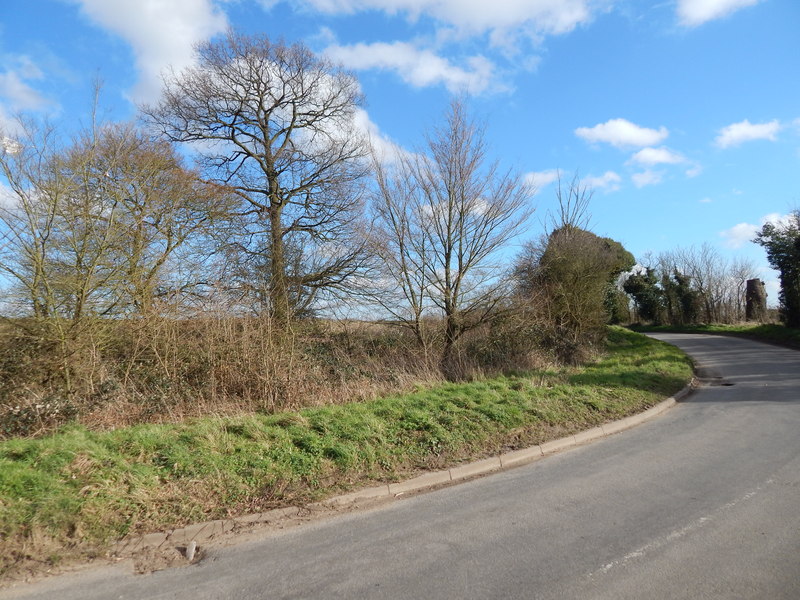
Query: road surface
{"points": [[703, 502]]}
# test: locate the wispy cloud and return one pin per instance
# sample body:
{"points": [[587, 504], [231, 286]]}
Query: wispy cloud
{"points": [[742, 233], [648, 177], [418, 67], [607, 182], [541, 179], [745, 131], [621, 133], [692, 13], [15, 89], [694, 171], [386, 150], [8, 199], [657, 156], [538, 17], [160, 33], [514, 29], [652, 157]]}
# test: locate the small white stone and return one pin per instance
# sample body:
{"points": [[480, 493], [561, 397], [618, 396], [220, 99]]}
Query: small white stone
{"points": [[190, 550]]}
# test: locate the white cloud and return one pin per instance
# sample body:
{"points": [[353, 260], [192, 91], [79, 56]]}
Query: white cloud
{"points": [[477, 16], [479, 207], [420, 68], [657, 156], [17, 94], [706, 200], [692, 13], [541, 179], [739, 235], [647, 177], [778, 220], [160, 33], [621, 133], [608, 181], [694, 171], [742, 233], [745, 131], [512, 27], [386, 150]]}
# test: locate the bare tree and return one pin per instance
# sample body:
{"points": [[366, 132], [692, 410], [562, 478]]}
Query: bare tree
{"points": [[165, 210], [441, 218], [699, 283], [29, 215], [91, 227], [397, 239], [60, 229], [276, 124]]}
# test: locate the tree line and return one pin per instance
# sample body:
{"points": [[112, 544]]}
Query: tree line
{"points": [[184, 257]]}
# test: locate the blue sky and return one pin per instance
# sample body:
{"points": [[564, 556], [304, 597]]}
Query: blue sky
{"points": [[683, 115]]}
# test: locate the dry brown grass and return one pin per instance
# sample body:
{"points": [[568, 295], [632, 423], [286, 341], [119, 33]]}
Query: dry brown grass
{"points": [[169, 370], [166, 370]]}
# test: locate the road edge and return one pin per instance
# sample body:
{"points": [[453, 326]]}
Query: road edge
{"points": [[200, 533]]}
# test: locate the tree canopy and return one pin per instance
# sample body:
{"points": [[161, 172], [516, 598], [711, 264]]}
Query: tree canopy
{"points": [[782, 243]]}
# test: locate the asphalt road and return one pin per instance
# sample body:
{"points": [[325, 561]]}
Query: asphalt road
{"points": [[702, 502]]}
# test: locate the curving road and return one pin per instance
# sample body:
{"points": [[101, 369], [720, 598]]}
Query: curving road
{"points": [[703, 502]]}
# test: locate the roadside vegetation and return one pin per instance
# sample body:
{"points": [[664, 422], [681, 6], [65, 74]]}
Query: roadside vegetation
{"points": [[291, 264], [241, 300], [698, 287], [70, 493]]}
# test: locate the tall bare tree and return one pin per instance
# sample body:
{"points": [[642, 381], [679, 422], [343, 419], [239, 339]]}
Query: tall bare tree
{"points": [[276, 124], [442, 215]]}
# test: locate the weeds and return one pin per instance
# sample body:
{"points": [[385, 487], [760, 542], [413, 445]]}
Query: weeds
{"points": [[83, 489], [171, 370]]}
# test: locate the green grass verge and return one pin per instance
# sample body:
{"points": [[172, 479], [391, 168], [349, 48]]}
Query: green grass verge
{"points": [[777, 334], [77, 490]]}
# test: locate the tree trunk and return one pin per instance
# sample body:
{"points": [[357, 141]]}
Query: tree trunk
{"points": [[278, 289], [451, 333]]}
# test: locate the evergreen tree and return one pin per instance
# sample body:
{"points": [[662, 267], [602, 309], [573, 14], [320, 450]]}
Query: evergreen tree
{"points": [[782, 243]]}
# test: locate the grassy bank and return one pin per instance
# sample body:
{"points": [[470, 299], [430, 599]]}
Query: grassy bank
{"points": [[73, 492], [776, 334]]}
